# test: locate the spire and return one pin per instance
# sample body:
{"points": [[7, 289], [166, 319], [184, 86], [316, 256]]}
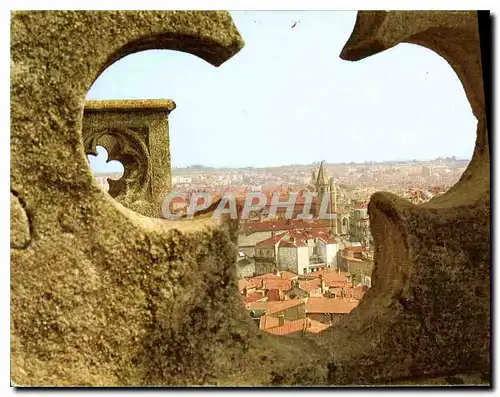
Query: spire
{"points": [[322, 176]]}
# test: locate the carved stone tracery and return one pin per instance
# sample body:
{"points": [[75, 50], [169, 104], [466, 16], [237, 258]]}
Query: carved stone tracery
{"points": [[135, 133]]}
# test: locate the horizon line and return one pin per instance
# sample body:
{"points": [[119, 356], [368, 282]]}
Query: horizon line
{"points": [[200, 166], [326, 163]]}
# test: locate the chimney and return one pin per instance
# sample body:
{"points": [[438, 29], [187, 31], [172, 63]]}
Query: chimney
{"points": [[338, 270]]}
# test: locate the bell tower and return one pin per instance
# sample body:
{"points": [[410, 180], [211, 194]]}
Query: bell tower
{"points": [[323, 187], [321, 183]]}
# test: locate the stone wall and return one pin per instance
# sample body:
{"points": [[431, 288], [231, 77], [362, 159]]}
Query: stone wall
{"points": [[101, 295], [428, 311]]}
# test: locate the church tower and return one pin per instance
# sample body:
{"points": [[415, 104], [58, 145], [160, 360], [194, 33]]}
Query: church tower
{"points": [[325, 187], [322, 179]]}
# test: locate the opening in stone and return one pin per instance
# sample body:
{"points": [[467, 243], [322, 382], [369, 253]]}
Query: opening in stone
{"points": [[104, 169], [260, 123]]}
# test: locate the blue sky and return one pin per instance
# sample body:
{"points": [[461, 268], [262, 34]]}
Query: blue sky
{"points": [[287, 98]]}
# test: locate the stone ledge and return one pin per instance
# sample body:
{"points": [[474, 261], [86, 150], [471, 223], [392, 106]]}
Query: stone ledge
{"points": [[129, 105]]}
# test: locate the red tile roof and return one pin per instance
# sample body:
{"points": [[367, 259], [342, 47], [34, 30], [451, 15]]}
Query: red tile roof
{"points": [[355, 293], [271, 324], [289, 327], [273, 295], [299, 237], [254, 297], [284, 275], [311, 234], [298, 206], [309, 285], [279, 284], [330, 305], [271, 241], [292, 243], [335, 283], [267, 322], [244, 283], [275, 307], [322, 234], [283, 224], [335, 278]]}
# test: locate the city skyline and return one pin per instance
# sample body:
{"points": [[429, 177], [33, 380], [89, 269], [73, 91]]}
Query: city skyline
{"points": [[99, 166]]}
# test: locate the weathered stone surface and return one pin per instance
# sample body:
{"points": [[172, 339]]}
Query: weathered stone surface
{"points": [[104, 296], [20, 235], [100, 286], [428, 311], [134, 132]]}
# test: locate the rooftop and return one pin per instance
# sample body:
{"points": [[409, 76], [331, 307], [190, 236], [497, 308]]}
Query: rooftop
{"points": [[289, 327], [330, 305], [285, 275], [355, 293], [271, 241], [275, 307], [284, 224], [279, 284], [271, 324], [254, 297], [245, 283], [309, 285]]}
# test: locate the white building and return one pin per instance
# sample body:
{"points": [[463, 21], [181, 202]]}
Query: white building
{"points": [[300, 251], [293, 255]]}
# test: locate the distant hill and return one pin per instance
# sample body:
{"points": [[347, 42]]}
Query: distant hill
{"points": [[201, 168]]}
